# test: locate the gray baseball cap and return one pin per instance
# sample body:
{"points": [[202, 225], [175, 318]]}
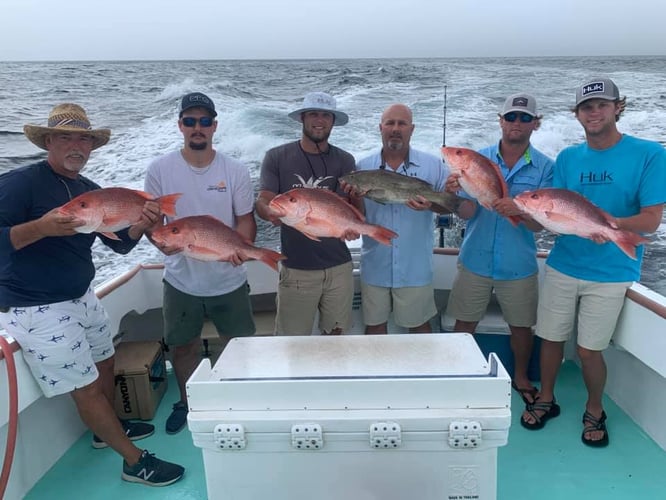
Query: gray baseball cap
{"points": [[597, 88], [525, 103]]}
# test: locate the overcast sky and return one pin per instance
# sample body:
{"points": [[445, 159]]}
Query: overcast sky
{"points": [[38, 30]]}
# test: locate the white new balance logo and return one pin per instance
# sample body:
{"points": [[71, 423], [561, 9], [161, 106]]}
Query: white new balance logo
{"points": [[145, 474]]}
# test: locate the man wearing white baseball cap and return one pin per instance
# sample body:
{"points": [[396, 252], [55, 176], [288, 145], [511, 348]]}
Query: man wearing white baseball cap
{"points": [[317, 275]]}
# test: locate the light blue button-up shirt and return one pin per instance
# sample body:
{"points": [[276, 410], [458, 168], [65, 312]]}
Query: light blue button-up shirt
{"points": [[492, 246], [408, 261]]}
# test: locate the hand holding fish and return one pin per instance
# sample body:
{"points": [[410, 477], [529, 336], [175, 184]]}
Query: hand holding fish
{"points": [[452, 184], [54, 223], [151, 217], [418, 203], [506, 207]]}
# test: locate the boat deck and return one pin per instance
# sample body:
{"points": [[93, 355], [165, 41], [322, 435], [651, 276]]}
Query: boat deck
{"points": [[548, 464]]}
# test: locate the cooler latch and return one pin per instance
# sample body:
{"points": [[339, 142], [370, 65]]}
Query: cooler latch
{"points": [[307, 436], [385, 435], [229, 436], [464, 434]]}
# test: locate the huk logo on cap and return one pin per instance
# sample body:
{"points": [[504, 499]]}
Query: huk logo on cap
{"points": [[519, 101], [592, 88]]}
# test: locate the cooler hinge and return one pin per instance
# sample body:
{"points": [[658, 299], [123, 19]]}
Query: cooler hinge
{"points": [[465, 434], [229, 436], [307, 436], [385, 435]]}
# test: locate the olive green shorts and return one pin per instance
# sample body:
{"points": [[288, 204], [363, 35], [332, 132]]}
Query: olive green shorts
{"points": [[184, 314]]}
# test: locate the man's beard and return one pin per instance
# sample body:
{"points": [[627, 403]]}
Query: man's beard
{"points": [[395, 143], [198, 146], [316, 140]]}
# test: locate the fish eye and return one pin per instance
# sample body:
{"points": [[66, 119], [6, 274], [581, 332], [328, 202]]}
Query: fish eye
{"points": [[534, 196], [83, 204], [174, 230]]}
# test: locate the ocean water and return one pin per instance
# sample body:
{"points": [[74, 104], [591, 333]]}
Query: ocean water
{"points": [[139, 102]]}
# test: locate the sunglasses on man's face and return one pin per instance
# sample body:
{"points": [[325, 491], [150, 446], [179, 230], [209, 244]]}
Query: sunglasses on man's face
{"points": [[513, 116], [204, 121]]}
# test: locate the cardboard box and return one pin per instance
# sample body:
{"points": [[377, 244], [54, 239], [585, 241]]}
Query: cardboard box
{"points": [[141, 379], [362, 417]]}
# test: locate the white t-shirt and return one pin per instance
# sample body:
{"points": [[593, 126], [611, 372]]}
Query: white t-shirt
{"points": [[223, 190]]}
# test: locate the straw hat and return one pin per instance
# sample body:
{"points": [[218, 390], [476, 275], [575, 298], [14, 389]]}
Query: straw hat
{"points": [[66, 117]]}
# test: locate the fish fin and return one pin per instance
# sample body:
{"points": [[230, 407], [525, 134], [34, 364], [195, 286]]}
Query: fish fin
{"points": [[627, 241], [380, 233], [515, 220], [271, 257], [111, 236], [357, 212], [203, 251], [168, 203], [557, 217]]}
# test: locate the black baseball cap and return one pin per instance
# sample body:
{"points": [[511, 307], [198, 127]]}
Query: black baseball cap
{"points": [[197, 100]]}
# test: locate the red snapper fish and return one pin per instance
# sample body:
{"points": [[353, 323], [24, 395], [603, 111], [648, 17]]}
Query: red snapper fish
{"points": [[480, 177], [321, 213], [206, 238], [567, 212], [109, 210]]}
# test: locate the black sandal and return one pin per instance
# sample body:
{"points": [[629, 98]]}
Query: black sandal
{"points": [[550, 408], [594, 424], [531, 391]]}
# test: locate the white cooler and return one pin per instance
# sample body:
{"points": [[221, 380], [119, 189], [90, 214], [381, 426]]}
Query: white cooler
{"points": [[386, 417]]}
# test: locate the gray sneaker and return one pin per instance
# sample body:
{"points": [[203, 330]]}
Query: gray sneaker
{"points": [[134, 431], [177, 419], [152, 471]]}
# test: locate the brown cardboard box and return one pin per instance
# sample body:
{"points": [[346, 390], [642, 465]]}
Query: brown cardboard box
{"points": [[141, 379]]}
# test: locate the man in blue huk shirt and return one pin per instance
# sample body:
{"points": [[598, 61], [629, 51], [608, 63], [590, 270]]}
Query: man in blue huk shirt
{"points": [[585, 281]]}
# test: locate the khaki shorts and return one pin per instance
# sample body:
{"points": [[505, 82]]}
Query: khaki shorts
{"points": [[565, 300], [61, 342], [184, 314], [471, 293], [412, 306], [301, 293]]}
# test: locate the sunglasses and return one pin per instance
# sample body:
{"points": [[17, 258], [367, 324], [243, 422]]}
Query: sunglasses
{"points": [[513, 116], [204, 121]]}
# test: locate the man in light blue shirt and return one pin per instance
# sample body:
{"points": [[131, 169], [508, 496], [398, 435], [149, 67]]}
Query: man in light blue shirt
{"points": [[496, 255], [398, 278]]}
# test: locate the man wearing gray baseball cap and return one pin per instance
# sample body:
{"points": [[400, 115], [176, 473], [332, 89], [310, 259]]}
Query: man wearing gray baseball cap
{"points": [[317, 275], [585, 281], [514, 276]]}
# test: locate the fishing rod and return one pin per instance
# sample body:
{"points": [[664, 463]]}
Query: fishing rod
{"points": [[444, 123]]}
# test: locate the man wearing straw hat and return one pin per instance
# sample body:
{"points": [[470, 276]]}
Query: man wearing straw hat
{"points": [[46, 302]]}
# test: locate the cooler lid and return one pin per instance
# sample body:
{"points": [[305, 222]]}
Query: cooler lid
{"points": [[350, 372], [355, 356]]}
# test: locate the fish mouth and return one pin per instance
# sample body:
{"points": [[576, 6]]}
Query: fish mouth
{"points": [[276, 208]]}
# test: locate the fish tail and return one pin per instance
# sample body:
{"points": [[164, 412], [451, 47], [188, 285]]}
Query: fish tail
{"points": [[168, 203], [628, 241], [381, 234], [270, 257]]}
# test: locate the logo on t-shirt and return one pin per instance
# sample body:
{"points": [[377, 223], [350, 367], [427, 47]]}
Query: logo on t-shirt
{"points": [[596, 177], [311, 182], [220, 187]]}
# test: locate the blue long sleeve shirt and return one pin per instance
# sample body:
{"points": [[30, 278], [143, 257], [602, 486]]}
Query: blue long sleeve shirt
{"points": [[52, 269]]}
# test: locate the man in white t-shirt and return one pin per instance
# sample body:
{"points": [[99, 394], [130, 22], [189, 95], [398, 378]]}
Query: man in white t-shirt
{"points": [[212, 184]]}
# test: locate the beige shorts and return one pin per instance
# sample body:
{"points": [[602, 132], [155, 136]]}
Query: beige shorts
{"points": [[595, 306], [471, 293], [302, 293], [412, 306]]}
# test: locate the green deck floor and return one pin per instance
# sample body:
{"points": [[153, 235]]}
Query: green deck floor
{"points": [[551, 463]]}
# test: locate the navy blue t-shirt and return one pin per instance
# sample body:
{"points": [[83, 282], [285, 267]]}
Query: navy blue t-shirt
{"points": [[52, 269]]}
